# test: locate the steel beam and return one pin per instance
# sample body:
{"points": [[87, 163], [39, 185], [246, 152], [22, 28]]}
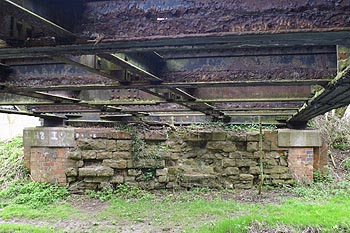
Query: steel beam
{"points": [[25, 24], [320, 37], [335, 95]]}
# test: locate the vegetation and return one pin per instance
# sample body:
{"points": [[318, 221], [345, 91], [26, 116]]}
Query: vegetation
{"points": [[24, 228], [11, 162], [335, 131], [229, 127], [321, 206]]}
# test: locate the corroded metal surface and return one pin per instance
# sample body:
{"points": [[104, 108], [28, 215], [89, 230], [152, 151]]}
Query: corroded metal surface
{"points": [[286, 73], [136, 18], [51, 75], [166, 48]]}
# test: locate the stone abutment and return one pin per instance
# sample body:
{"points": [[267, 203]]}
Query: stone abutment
{"points": [[94, 158]]}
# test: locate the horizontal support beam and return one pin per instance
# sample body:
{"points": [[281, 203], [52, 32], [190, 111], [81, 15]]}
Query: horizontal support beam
{"points": [[192, 42], [185, 85], [130, 67]]}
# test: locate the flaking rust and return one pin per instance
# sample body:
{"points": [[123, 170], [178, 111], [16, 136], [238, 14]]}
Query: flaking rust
{"points": [[136, 18]]}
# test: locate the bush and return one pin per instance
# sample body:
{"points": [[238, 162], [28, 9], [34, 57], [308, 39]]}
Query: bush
{"points": [[11, 162], [335, 131]]}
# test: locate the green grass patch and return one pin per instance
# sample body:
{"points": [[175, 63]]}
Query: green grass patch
{"points": [[32, 194], [331, 216], [50, 212], [24, 228], [171, 209]]}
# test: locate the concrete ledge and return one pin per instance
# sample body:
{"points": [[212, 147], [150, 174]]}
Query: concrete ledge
{"points": [[299, 138], [48, 137]]}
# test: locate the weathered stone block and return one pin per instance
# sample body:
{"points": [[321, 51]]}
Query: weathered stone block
{"points": [[273, 155], [123, 145], [79, 163], [111, 145], [231, 171], [121, 155], [299, 138], [252, 146], [271, 137], [241, 155], [270, 162], [75, 155], [96, 179], [219, 136], [155, 135], [162, 172], [244, 186], [149, 163], [91, 144], [228, 162], [226, 146], [254, 170], [96, 171], [71, 171], [246, 177], [134, 172], [118, 164], [163, 179], [105, 171], [170, 185], [89, 154], [104, 155], [237, 137], [253, 137], [117, 180], [198, 136], [130, 179], [245, 163]]}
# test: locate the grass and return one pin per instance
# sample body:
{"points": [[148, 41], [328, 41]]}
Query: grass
{"points": [[194, 211], [50, 213], [24, 228], [330, 215], [199, 210]]}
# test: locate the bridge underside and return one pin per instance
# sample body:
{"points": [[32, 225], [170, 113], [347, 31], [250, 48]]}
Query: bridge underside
{"points": [[174, 61]]}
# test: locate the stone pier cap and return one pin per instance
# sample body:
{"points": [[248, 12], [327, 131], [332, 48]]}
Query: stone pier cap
{"points": [[299, 138], [48, 137]]}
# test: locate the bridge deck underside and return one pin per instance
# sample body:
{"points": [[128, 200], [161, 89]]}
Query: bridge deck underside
{"points": [[179, 61]]}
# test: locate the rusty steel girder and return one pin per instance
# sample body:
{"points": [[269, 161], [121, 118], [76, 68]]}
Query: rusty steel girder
{"points": [[136, 18]]}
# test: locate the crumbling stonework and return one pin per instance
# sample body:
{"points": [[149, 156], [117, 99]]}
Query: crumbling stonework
{"points": [[105, 157]]}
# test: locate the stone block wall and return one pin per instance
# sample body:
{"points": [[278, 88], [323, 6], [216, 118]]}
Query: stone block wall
{"points": [[103, 157]]}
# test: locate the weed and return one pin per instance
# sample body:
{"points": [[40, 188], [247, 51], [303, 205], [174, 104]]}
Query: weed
{"points": [[103, 195], [35, 195], [122, 191], [131, 192], [137, 146]]}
